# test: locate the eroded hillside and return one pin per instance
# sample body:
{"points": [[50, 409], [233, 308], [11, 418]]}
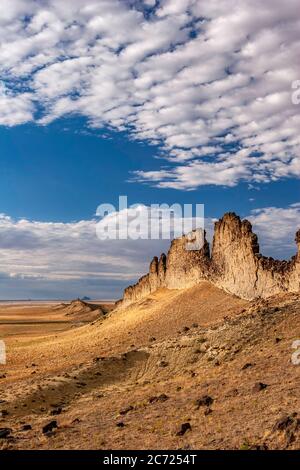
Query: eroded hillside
{"points": [[196, 368]]}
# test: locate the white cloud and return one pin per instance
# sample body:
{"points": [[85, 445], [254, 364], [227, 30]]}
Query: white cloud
{"points": [[191, 75], [75, 243], [15, 108], [150, 222], [48, 259], [276, 228], [69, 256]]}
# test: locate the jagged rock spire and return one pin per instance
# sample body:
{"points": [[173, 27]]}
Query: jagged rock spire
{"points": [[235, 265]]}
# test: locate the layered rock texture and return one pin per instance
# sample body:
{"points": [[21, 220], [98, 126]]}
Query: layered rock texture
{"points": [[234, 265]]}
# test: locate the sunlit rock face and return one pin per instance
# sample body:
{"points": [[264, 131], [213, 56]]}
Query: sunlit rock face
{"points": [[234, 265]]}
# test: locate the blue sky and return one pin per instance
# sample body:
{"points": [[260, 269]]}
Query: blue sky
{"points": [[170, 101], [61, 172]]}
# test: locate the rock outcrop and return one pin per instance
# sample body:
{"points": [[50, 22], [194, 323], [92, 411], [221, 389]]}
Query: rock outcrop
{"points": [[78, 310], [234, 265]]}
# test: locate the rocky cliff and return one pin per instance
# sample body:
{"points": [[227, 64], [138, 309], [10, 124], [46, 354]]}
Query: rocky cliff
{"points": [[234, 265]]}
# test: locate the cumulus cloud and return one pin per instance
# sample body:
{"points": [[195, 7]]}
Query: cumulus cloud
{"points": [[50, 257], [67, 260], [276, 228], [15, 108], [209, 82], [158, 221]]}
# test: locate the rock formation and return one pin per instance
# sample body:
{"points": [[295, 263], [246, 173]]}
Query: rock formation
{"points": [[234, 265]]}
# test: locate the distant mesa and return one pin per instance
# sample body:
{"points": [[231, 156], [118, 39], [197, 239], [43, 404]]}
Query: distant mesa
{"points": [[79, 310], [234, 264], [80, 306]]}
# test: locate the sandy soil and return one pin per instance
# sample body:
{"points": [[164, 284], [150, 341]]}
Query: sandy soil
{"points": [[36, 318], [133, 377]]}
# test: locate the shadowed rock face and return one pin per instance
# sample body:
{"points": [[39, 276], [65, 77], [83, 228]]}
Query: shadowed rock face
{"points": [[234, 265], [238, 267]]}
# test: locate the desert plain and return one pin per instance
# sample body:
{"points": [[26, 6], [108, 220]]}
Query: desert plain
{"points": [[194, 368]]}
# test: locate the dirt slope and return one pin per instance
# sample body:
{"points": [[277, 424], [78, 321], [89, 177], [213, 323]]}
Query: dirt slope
{"points": [[198, 356], [81, 311]]}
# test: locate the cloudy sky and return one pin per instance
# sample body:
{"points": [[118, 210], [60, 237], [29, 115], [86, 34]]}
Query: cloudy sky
{"points": [[170, 101]]}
